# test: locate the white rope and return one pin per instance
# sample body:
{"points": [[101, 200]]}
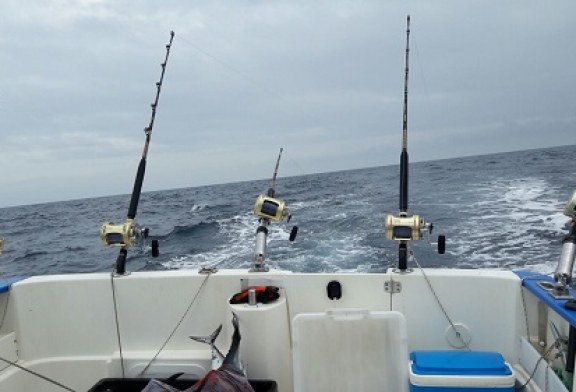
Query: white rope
{"points": [[457, 333]]}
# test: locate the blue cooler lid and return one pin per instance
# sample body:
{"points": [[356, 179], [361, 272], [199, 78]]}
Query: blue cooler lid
{"points": [[459, 363]]}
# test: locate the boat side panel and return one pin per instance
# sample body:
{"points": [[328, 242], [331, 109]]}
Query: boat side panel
{"points": [[63, 316], [484, 303], [307, 293]]}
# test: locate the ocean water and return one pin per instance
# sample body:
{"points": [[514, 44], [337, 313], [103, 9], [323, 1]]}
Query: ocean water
{"points": [[501, 210]]}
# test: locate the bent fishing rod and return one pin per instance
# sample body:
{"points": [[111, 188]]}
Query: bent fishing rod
{"points": [[404, 227], [124, 235]]}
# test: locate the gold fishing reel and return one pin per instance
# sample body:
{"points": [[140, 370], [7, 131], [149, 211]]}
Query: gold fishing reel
{"points": [[126, 234], [269, 208], [404, 228], [123, 234]]}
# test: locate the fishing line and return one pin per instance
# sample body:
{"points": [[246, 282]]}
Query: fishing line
{"points": [[231, 69], [546, 353], [208, 273], [37, 375], [299, 167], [421, 69], [124, 235], [458, 335], [117, 324]]}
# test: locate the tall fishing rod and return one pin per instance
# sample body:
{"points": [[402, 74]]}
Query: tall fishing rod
{"points": [[403, 245], [404, 227], [125, 234], [404, 153]]}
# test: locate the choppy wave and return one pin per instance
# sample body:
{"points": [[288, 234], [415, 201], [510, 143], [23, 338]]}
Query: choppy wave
{"points": [[502, 210]]}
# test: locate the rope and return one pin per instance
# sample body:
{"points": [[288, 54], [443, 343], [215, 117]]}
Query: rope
{"points": [[554, 344], [37, 375], [177, 325], [458, 335], [12, 363], [117, 324], [546, 353]]}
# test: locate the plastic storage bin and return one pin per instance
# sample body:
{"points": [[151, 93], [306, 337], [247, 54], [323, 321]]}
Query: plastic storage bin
{"points": [[459, 371]]}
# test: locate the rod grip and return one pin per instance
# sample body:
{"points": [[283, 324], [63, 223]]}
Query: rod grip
{"points": [[402, 256], [121, 262], [137, 189], [404, 181]]}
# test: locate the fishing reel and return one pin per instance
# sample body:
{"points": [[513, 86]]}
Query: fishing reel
{"points": [[405, 228], [126, 234], [269, 208], [1, 245]]}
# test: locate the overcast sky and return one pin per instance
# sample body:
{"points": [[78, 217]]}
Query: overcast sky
{"points": [[321, 78]]}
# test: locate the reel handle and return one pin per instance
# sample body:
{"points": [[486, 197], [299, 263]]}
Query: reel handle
{"points": [[441, 244], [293, 233]]}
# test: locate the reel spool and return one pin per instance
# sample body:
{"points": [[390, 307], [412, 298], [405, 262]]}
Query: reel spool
{"points": [[269, 208], [405, 228], [126, 234]]}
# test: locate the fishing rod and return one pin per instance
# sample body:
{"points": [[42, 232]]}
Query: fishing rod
{"points": [[404, 153], [268, 209], [404, 227], [125, 234], [272, 189]]}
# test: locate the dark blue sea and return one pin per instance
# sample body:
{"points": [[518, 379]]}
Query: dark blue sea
{"points": [[501, 210]]}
